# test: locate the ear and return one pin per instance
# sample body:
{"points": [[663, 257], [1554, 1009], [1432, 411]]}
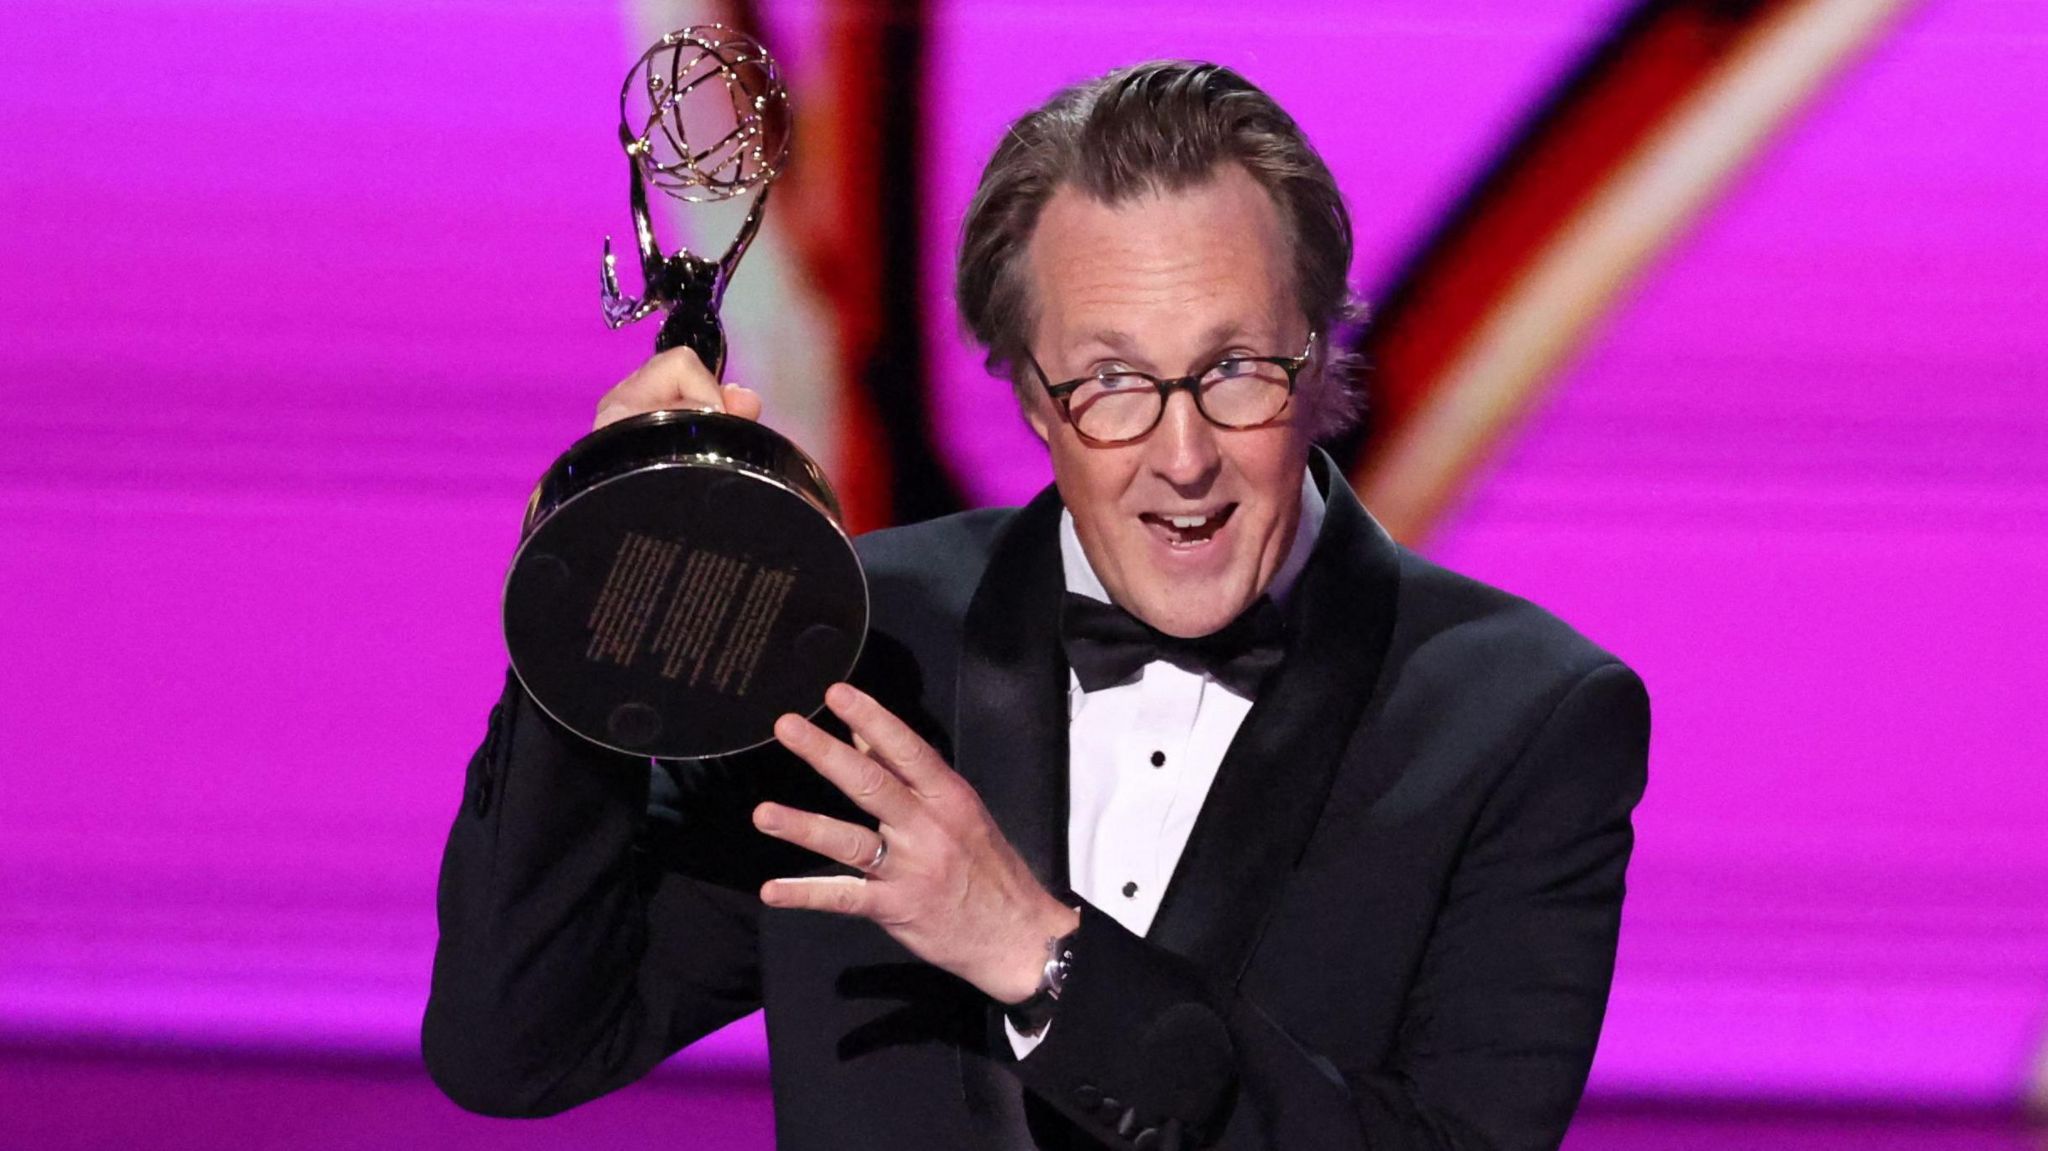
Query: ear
{"points": [[1311, 395], [1336, 401], [1035, 404], [1036, 418]]}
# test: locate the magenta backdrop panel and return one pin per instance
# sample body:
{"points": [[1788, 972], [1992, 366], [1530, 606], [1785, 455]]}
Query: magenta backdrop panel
{"points": [[297, 299], [1801, 482]]}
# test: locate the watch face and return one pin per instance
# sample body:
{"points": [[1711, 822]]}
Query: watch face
{"points": [[1031, 1016], [1055, 979]]}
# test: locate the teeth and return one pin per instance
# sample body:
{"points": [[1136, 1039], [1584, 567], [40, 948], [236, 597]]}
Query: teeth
{"points": [[1184, 523]]}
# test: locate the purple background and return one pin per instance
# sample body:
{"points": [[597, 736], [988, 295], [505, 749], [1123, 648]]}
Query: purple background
{"points": [[296, 300]]}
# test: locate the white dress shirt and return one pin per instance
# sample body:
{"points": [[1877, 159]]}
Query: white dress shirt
{"points": [[1141, 756]]}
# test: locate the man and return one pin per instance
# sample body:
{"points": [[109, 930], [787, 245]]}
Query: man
{"points": [[1180, 807]]}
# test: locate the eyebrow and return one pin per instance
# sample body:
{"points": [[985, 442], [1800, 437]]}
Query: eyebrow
{"points": [[1124, 344], [1114, 339]]}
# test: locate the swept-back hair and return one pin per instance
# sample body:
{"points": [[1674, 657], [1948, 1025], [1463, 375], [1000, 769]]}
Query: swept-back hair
{"points": [[1164, 126]]}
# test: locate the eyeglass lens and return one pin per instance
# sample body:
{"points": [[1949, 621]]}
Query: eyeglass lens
{"points": [[1124, 405]]}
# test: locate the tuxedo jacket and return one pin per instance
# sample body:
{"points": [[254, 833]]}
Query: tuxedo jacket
{"points": [[1393, 925]]}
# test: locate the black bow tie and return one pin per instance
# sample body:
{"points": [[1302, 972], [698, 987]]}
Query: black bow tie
{"points": [[1106, 645]]}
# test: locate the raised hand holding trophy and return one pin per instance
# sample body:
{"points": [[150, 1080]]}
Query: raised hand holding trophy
{"points": [[684, 577]]}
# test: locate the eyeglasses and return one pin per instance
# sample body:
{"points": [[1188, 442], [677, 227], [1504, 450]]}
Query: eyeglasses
{"points": [[1237, 392]]}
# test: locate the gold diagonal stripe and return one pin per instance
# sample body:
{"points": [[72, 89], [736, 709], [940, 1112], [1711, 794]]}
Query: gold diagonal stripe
{"points": [[1521, 348]]}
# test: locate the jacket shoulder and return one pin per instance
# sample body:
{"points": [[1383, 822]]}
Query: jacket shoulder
{"points": [[912, 544], [1490, 688], [1454, 621], [930, 567]]}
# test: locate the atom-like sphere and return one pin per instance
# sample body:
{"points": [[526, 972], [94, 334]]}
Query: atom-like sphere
{"points": [[705, 115]]}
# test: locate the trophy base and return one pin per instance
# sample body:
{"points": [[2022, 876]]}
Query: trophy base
{"points": [[677, 609]]}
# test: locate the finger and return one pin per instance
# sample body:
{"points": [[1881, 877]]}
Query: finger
{"points": [[609, 412], [839, 894], [741, 401], [616, 406], [859, 777], [889, 739], [835, 839], [678, 378], [668, 381]]}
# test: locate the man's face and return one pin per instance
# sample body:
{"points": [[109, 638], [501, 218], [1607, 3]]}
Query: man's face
{"points": [[1168, 284]]}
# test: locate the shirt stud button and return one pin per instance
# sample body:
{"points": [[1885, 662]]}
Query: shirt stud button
{"points": [[1130, 890], [1158, 759]]}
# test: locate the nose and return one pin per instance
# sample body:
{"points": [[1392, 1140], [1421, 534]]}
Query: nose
{"points": [[1183, 448]]}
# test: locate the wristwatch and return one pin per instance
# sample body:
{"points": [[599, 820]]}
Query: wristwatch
{"points": [[1031, 1016]]}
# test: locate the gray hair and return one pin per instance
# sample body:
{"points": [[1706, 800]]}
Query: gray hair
{"points": [[1164, 126]]}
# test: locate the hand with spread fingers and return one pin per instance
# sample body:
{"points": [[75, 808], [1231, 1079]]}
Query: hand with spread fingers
{"points": [[938, 874]]}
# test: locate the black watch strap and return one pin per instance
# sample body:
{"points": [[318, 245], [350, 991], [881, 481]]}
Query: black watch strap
{"points": [[1031, 1016]]}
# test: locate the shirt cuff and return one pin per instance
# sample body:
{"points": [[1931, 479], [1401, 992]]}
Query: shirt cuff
{"points": [[1022, 1044]]}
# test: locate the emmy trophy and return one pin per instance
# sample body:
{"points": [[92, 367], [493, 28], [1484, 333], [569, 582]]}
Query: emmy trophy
{"points": [[683, 577]]}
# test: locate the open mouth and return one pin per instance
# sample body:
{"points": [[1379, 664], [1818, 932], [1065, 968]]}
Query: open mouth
{"points": [[1187, 531]]}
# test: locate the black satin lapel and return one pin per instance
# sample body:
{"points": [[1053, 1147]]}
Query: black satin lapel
{"points": [[1011, 717], [1271, 786], [1010, 742]]}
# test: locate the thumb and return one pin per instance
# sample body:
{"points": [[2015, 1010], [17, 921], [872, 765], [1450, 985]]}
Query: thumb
{"points": [[741, 401]]}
